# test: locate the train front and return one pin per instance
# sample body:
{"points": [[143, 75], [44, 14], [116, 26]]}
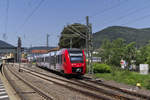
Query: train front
{"points": [[77, 62]]}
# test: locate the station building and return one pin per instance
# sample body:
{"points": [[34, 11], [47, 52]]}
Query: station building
{"points": [[7, 51]]}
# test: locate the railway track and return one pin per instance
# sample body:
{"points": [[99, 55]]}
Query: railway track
{"points": [[71, 87], [121, 95], [41, 93], [11, 83], [99, 83]]}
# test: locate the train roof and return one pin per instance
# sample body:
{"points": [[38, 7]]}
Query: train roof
{"points": [[58, 52], [71, 49], [52, 53], [45, 55]]}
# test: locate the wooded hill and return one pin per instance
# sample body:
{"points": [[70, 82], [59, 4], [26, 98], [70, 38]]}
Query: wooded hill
{"points": [[140, 36]]}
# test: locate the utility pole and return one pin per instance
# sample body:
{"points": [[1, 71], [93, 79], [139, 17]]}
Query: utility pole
{"points": [[71, 42], [87, 36], [19, 52], [89, 45], [47, 36], [91, 48]]}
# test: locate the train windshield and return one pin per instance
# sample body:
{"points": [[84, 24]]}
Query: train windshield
{"points": [[76, 56]]}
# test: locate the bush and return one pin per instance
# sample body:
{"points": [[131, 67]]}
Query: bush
{"points": [[101, 68]]}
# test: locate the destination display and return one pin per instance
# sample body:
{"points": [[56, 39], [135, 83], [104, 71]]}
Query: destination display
{"points": [[77, 54]]}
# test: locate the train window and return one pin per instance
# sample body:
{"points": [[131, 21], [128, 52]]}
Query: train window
{"points": [[76, 56], [64, 59], [47, 59], [56, 59], [60, 59], [75, 53], [53, 60], [76, 59]]}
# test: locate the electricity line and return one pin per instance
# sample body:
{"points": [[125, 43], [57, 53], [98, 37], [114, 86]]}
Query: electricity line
{"points": [[6, 19], [104, 10], [107, 9], [127, 15], [31, 14], [69, 42], [78, 32], [75, 32], [137, 19]]}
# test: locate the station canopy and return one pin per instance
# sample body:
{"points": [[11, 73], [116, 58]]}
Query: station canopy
{"points": [[6, 48]]}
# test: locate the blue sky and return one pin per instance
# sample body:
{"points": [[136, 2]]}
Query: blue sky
{"points": [[53, 15]]}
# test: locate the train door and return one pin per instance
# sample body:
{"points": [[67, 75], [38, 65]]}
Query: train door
{"points": [[64, 64], [44, 61], [59, 62], [49, 61], [55, 60]]}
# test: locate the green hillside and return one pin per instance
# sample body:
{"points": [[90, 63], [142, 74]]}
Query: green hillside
{"points": [[140, 36]]}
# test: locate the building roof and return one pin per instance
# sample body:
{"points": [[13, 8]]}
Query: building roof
{"points": [[4, 45], [40, 49]]}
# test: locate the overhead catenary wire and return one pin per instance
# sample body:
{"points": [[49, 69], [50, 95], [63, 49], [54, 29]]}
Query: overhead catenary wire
{"points": [[107, 9], [69, 42], [137, 19], [127, 15], [83, 35], [30, 15], [78, 34], [93, 15], [6, 19], [104, 10]]}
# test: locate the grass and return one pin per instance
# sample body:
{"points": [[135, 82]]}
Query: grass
{"points": [[127, 77]]}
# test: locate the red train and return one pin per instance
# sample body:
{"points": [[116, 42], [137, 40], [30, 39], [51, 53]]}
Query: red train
{"points": [[68, 61]]}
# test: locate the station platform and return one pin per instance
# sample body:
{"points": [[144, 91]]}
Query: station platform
{"points": [[3, 94]]}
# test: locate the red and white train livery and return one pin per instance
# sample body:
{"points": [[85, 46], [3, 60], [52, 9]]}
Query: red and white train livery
{"points": [[68, 61]]}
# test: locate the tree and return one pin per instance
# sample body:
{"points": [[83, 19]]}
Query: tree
{"points": [[75, 33], [130, 52], [105, 50], [113, 52], [141, 55], [118, 49], [144, 54]]}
